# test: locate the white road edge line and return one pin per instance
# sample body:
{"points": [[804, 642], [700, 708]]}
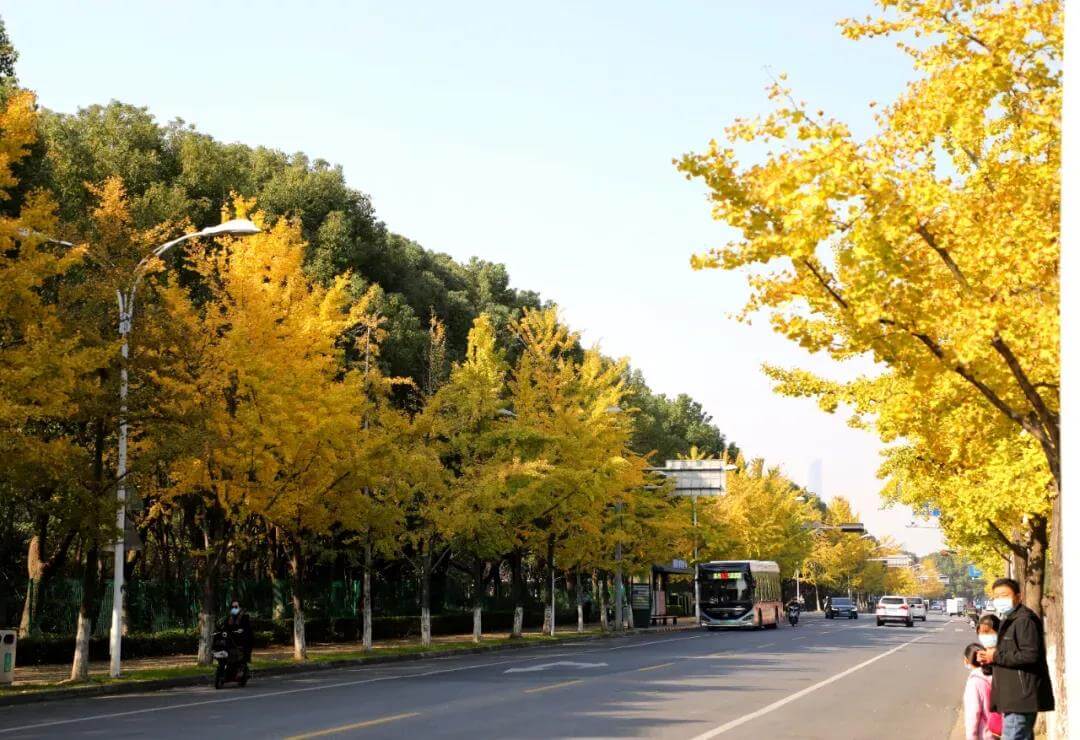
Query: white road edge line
{"points": [[341, 684], [798, 694]]}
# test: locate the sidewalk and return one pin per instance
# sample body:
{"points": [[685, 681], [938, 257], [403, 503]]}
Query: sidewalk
{"points": [[47, 681]]}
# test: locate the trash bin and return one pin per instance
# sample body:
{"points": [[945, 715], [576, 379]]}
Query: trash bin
{"points": [[7, 656]]}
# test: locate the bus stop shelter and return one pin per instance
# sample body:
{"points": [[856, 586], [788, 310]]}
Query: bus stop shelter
{"points": [[654, 601]]}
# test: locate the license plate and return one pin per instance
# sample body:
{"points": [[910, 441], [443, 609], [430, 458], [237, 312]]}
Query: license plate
{"points": [[221, 654]]}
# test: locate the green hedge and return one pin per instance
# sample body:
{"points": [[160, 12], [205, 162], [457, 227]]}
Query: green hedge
{"points": [[54, 649]]}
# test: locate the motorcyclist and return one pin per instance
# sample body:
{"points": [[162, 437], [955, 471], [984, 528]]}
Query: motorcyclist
{"points": [[238, 625], [793, 609]]}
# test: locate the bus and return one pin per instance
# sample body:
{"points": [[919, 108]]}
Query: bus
{"points": [[740, 593]]}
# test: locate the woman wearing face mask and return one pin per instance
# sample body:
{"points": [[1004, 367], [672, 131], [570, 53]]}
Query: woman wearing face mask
{"points": [[239, 626], [987, 630]]}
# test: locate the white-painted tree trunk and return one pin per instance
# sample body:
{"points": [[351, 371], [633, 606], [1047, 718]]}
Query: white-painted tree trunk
{"points": [[366, 601], [80, 663], [299, 635]]}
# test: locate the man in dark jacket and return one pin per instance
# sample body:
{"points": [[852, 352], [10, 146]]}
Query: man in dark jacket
{"points": [[1021, 685]]}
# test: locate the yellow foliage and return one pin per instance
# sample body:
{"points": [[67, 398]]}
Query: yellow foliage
{"points": [[930, 246]]}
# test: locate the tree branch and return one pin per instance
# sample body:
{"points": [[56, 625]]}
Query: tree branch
{"points": [[1013, 547], [931, 241], [824, 283], [1048, 419]]}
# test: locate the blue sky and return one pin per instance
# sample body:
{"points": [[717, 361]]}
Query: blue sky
{"points": [[540, 136]]}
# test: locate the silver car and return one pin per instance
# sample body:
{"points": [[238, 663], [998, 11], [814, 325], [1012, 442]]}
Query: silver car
{"points": [[918, 607]]}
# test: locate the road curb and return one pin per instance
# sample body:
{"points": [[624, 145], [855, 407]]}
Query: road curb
{"points": [[206, 679]]}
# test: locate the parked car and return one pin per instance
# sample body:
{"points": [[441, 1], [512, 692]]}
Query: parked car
{"points": [[937, 605], [894, 609], [840, 606], [918, 607]]}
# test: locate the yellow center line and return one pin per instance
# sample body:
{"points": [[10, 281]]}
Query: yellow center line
{"points": [[355, 726], [554, 686], [654, 667]]}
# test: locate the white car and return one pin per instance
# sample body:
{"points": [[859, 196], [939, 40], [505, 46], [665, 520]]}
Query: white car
{"points": [[894, 609], [918, 607]]}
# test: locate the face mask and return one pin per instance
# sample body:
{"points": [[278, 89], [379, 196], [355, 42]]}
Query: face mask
{"points": [[235, 610], [1003, 606], [988, 641]]}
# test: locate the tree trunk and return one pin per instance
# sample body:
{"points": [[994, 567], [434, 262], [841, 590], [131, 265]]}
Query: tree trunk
{"points": [[1035, 572], [425, 596], [517, 593], [277, 588], [580, 601], [367, 593], [603, 602], [39, 570], [207, 619], [211, 542], [1058, 720], [35, 571], [478, 600], [549, 587], [496, 582], [296, 571], [80, 661]]}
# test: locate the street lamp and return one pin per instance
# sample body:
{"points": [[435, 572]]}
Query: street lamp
{"points": [[695, 478], [126, 302], [817, 527]]}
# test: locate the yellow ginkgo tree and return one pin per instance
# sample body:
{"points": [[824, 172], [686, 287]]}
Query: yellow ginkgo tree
{"points": [[281, 411], [931, 245]]}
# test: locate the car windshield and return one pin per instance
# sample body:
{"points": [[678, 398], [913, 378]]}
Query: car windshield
{"points": [[916, 601], [841, 602], [892, 600]]}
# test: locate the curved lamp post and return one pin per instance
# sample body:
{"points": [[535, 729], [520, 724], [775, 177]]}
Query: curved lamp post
{"points": [[126, 301]]}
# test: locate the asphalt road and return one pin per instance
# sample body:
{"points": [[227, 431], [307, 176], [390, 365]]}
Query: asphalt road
{"points": [[822, 679]]}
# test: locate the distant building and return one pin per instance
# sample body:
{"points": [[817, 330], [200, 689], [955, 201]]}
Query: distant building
{"points": [[814, 479]]}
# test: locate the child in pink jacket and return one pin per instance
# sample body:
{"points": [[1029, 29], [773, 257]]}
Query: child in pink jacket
{"points": [[979, 722]]}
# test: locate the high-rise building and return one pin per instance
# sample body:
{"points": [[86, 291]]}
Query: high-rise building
{"points": [[814, 479]]}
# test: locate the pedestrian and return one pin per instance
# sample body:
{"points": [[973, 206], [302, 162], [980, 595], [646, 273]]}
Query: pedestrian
{"points": [[238, 624], [987, 630], [1020, 688], [980, 723]]}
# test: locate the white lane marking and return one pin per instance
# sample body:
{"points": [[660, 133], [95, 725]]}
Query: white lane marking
{"points": [[799, 694], [643, 644], [767, 644], [321, 687], [557, 664]]}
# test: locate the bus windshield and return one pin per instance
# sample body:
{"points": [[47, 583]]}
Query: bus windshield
{"points": [[725, 587]]}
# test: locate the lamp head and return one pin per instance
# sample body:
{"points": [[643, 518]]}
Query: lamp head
{"points": [[235, 227]]}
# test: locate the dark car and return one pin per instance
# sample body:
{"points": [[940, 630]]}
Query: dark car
{"points": [[840, 606]]}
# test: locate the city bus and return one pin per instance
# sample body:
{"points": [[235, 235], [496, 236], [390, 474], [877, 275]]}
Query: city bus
{"points": [[740, 593]]}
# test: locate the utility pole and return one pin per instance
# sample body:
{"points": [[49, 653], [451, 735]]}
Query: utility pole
{"points": [[618, 577], [553, 595], [697, 583], [126, 301]]}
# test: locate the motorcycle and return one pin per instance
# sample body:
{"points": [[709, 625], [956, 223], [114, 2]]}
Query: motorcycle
{"points": [[792, 616], [231, 665]]}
